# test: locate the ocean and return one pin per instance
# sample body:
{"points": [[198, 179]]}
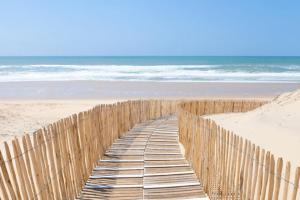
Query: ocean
{"points": [[152, 68]]}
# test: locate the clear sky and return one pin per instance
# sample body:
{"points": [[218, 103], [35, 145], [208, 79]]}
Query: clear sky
{"points": [[149, 27]]}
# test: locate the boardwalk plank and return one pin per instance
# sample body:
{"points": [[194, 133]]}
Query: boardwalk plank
{"points": [[145, 163]]}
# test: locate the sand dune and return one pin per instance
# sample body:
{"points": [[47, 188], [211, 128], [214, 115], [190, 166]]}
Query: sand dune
{"points": [[274, 126]]}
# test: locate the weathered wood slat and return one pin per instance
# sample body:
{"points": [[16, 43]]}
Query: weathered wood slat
{"points": [[95, 186]]}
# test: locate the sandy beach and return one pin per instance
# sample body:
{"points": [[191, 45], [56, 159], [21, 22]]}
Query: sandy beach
{"points": [[28, 106], [25, 116], [39, 90]]}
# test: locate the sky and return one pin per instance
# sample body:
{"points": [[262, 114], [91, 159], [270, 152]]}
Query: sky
{"points": [[149, 27]]}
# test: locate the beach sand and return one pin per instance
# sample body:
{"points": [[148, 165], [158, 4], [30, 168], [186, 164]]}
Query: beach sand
{"points": [[28, 106], [274, 126], [136, 90], [25, 116]]}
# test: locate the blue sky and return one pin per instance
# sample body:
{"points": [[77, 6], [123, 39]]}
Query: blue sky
{"points": [[149, 27]]}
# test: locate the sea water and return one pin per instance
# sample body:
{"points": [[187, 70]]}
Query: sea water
{"points": [[152, 68]]}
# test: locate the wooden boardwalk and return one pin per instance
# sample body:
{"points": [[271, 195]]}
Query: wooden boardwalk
{"points": [[145, 164]]}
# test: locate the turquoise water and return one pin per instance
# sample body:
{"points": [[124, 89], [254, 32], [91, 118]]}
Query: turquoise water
{"points": [[207, 68]]}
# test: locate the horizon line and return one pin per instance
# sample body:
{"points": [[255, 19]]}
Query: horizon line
{"points": [[149, 56]]}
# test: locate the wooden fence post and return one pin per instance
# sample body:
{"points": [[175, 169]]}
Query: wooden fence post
{"points": [[286, 181]]}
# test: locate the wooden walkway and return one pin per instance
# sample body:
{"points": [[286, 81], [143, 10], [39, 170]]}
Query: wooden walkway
{"points": [[145, 164]]}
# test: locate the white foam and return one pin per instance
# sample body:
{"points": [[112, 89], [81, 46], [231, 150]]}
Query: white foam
{"points": [[46, 72]]}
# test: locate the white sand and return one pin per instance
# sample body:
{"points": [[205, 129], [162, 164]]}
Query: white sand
{"points": [[25, 116], [274, 126]]}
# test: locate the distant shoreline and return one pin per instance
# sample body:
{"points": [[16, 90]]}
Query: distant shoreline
{"points": [[39, 90]]}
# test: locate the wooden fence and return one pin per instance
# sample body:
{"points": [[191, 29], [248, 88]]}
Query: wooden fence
{"points": [[55, 162], [228, 166]]}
